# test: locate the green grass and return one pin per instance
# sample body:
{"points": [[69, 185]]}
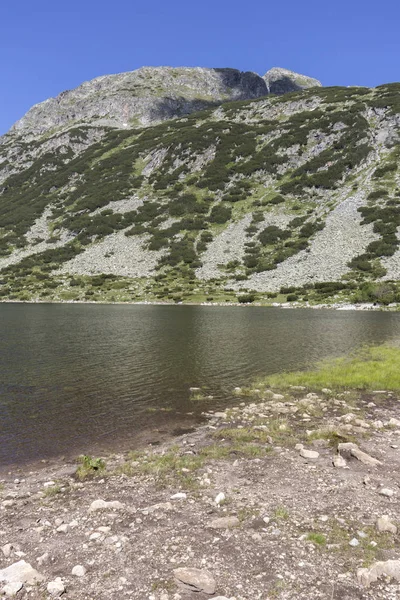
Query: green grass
{"points": [[375, 368], [317, 538], [89, 467]]}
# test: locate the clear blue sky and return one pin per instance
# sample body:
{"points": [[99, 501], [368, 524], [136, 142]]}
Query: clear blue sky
{"points": [[47, 46]]}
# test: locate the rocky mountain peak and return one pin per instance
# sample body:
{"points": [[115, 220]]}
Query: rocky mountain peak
{"points": [[282, 81], [150, 95]]}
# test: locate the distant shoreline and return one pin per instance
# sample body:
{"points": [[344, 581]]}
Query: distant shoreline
{"points": [[285, 305]]}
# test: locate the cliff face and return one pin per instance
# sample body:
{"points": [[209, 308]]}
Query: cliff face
{"points": [[262, 193]]}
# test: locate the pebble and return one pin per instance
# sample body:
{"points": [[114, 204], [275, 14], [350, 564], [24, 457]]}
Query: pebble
{"points": [[220, 498], [6, 550], [384, 524], [386, 492], [103, 505], [310, 454], [44, 559], [179, 496], [339, 462], [354, 542], [56, 588], [79, 571]]}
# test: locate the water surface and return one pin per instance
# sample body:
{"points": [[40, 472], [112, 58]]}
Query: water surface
{"points": [[92, 378]]}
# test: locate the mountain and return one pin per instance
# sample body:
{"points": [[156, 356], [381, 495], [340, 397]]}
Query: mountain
{"points": [[200, 184]]}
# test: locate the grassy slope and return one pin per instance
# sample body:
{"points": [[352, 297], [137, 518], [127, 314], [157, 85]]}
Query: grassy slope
{"points": [[375, 368]]}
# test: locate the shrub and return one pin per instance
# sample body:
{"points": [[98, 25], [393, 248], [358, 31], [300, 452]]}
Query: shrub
{"points": [[220, 214], [272, 234], [246, 298]]}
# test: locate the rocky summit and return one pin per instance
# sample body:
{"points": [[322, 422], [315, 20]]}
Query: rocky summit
{"points": [[203, 185]]}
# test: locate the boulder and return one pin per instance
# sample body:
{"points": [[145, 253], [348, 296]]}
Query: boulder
{"points": [[384, 524], [20, 572], [196, 580], [389, 568]]}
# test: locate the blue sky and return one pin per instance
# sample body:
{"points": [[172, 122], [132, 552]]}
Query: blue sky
{"points": [[47, 46]]}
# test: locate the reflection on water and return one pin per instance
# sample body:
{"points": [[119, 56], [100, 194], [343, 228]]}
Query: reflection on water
{"points": [[78, 377]]}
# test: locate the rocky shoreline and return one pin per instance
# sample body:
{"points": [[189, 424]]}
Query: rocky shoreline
{"points": [[365, 306], [291, 495]]}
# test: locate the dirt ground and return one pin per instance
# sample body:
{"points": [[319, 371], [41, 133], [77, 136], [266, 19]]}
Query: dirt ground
{"points": [[298, 527]]}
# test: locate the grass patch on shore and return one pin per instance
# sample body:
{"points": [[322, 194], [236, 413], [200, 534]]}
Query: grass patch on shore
{"points": [[374, 368]]}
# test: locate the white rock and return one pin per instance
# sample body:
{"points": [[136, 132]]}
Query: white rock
{"points": [[386, 492], [6, 550], [79, 571], [179, 496], [48, 484], [384, 524], [103, 505], [339, 462], [56, 588], [220, 498], [8, 503], [311, 454], [354, 542], [11, 589], [62, 529], [20, 571]]}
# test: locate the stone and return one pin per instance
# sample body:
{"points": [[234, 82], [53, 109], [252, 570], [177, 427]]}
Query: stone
{"points": [[6, 550], [196, 580], [44, 559], [384, 524], [103, 505], [20, 571], [353, 450], [389, 568], [62, 528], [179, 496], [11, 589], [354, 542], [220, 498], [386, 492], [56, 588], [310, 454], [223, 523], [79, 571], [339, 462]]}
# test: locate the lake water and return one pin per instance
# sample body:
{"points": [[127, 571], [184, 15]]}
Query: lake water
{"points": [[93, 378]]}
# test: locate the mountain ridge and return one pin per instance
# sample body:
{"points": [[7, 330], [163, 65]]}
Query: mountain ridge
{"points": [[187, 89]]}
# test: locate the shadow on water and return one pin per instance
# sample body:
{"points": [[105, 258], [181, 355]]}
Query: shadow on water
{"points": [[79, 378]]}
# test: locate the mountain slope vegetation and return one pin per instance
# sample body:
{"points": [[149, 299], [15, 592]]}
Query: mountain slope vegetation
{"points": [[291, 197]]}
